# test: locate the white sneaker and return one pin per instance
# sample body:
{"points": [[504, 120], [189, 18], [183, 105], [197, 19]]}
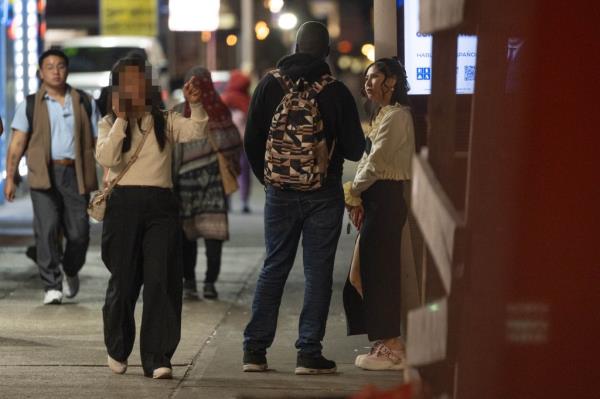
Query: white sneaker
{"points": [[381, 358], [71, 286], [53, 297], [162, 373], [116, 366]]}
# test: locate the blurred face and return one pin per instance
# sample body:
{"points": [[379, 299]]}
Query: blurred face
{"points": [[53, 72], [378, 89], [132, 86]]}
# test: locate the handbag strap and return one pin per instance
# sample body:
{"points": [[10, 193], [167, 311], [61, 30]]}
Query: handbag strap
{"points": [[133, 158], [212, 142]]}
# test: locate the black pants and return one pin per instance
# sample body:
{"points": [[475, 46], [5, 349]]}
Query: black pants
{"points": [[214, 249], [60, 209], [141, 245], [378, 313]]}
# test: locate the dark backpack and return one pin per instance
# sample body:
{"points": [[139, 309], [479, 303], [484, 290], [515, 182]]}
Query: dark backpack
{"points": [[30, 105], [296, 155]]}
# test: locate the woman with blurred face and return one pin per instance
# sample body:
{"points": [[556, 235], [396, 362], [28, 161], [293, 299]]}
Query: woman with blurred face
{"points": [[377, 209], [140, 234]]}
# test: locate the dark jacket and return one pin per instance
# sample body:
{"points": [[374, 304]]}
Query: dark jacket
{"points": [[336, 105]]}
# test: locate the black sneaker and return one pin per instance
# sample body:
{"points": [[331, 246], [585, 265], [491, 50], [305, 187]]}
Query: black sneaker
{"points": [[189, 290], [254, 362], [210, 292], [31, 253], [306, 364]]}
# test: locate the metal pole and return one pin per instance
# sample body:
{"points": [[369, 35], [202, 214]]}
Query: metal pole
{"points": [[211, 52], [247, 33], [385, 28]]}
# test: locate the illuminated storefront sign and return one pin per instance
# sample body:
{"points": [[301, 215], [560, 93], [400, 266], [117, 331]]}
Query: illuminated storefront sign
{"points": [[417, 55], [24, 33], [194, 15], [130, 17]]}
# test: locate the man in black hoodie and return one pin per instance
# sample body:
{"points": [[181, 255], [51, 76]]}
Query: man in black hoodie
{"points": [[315, 215]]}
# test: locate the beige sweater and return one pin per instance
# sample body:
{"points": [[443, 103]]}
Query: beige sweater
{"points": [[393, 145], [153, 166]]}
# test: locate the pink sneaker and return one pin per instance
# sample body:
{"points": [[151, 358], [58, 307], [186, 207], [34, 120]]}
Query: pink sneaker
{"points": [[374, 348], [381, 358]]}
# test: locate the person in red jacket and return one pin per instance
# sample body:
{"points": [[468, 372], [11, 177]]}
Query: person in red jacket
{"points": [[236, 97]]}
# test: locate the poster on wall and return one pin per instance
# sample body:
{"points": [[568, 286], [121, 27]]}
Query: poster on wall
{"points": [[417, 55]]}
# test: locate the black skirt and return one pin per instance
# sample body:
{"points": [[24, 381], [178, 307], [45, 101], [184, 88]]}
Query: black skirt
{"points": [[378, 313]]}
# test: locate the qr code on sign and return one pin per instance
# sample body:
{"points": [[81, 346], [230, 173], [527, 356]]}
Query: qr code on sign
{"points": [[469, 72]]}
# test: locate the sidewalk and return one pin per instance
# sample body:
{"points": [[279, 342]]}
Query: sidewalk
{"points": [[216, 371], [58, 351], [16, 222]]}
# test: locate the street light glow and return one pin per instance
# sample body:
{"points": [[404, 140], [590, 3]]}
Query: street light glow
{"points": [[275, 6], [231, 40], [205, 36], [344, 62], [287, 21], [368, 50], [262, 30]]}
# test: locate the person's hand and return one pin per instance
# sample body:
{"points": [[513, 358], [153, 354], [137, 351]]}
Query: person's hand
{"points": [[192, 91], [357, 216], [116, 106], [9, 190]]}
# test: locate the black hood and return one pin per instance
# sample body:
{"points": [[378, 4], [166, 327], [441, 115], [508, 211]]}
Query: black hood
{"points": [[303, 65]]}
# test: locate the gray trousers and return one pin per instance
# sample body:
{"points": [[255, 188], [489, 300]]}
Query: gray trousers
{"points": [[60, 209]]}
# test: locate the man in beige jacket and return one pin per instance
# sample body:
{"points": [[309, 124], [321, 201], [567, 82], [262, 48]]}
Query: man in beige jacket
{"points": [[56, 129]]}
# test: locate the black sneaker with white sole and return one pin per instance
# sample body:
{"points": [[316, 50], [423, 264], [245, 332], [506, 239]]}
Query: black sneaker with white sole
{"points": [[209, 291], [254, 362], [307, 364]]}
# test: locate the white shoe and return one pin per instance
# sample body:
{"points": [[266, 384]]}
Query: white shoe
{"points": [[71, 286], [53, 297], [116, 366], [162, 373]]}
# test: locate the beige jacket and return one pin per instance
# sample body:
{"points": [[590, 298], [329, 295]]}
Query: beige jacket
{"points": [[153, 166], [38, 148], [393, 145]]}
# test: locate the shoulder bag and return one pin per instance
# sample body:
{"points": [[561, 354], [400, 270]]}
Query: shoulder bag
{"points": [[97, 206], [226, 170]]}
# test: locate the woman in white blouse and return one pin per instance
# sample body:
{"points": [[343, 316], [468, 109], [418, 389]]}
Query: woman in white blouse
{"points": [[378, 210], [140, 235]]}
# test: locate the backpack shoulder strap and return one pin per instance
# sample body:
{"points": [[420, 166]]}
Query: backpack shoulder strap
{"points": [[284, 81], [319, 85], [29, 107], [85, 99]]}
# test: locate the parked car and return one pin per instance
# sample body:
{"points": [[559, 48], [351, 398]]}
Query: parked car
{"points": [[92, 57]]}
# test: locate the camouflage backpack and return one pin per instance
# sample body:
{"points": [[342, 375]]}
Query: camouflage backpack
{"points": [[296, 155]]}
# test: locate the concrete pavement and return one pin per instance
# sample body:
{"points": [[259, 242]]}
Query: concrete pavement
{"points": [[58, 351]]}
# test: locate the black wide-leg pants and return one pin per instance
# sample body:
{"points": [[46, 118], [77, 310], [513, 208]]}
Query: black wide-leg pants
{"points": [[140, 246], [378, 313]]}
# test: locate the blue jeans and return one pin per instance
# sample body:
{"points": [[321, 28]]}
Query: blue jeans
{"points": [[317, 216]]}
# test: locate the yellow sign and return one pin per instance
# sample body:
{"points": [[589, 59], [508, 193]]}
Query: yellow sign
{"points": [[130, 17]]}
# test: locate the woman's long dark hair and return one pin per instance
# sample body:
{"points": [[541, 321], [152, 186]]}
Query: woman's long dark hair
{"points": [[152, 98], [390, 68]]}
